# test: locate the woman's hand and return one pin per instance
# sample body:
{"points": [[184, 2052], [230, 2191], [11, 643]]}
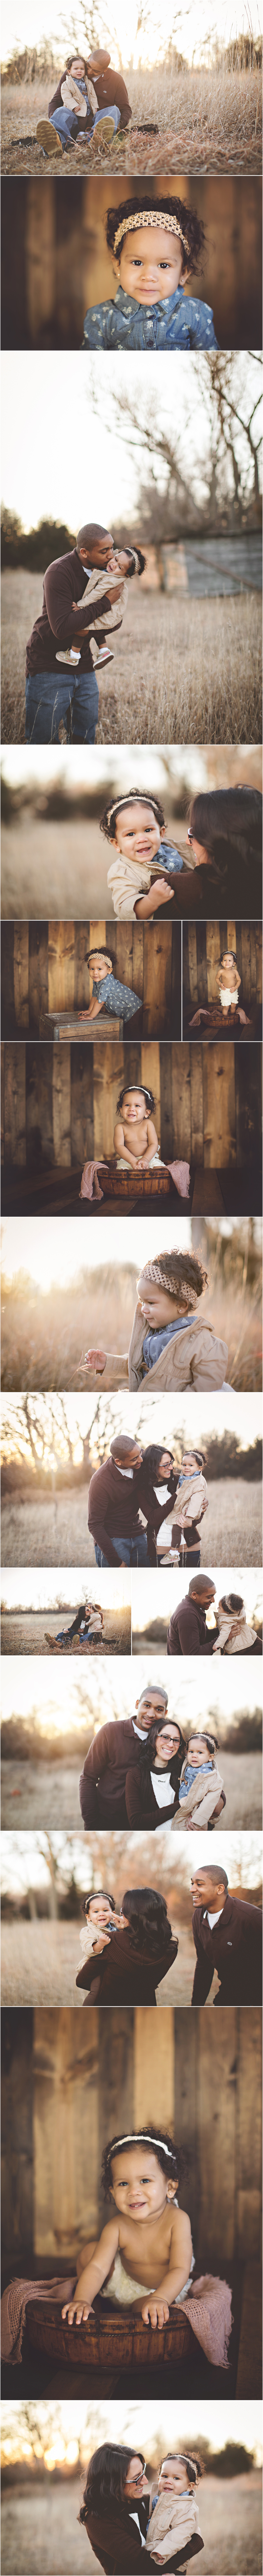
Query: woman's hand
{"points": [[156, 2312], [78, 2313], [95, 1360]]}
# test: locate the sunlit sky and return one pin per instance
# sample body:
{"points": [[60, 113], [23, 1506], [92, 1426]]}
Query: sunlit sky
{"points": [[171, 1588], [66, 1693], [135, 2421], [33, 24], [59, 1690], [32, 1589], [27, 1245], [150, 765], [25, 1860], [85, 466], [162, 1421]]}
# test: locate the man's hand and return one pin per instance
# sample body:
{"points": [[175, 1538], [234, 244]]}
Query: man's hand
{"points": [[95, 1360], [77, 2313], [156, 2312]]}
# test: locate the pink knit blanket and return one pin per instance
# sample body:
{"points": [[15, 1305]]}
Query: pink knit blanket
{"points": [[90, 1187], [208, 2306]]}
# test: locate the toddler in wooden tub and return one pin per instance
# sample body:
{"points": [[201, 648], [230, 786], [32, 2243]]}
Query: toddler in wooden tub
{"points": [[144, 2258]]}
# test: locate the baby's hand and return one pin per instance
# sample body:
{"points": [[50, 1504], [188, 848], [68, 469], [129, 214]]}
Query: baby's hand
{"points": [[95, 1360], [156, 2312], [78, 2312], [162, 889]]}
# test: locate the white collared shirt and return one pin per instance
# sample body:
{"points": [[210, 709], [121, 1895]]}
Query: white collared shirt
{"points": [[123, 1471], [138, 1730]]}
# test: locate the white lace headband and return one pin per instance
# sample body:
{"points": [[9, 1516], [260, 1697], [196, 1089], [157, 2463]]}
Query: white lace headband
{"points": [[157, 220], [136, 2138], [138, 798]]}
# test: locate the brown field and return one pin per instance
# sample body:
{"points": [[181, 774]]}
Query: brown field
{"points": [[40, 1962], [185, 670], [22, 1635], [42, 2531], [56, 1532], [213, 117], [34, 1794], [42, 1343]]}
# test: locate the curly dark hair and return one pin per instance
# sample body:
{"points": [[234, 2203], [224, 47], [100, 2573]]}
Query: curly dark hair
{"points": [[234, 1601], [106, 2477], [228, 952], [90, 953], [192, 2462], [149, 1922], [132, 567], [199, 1735], [148, 1096], [147, 1751], [170, 2159], [184, 215], [97, 1891], [134, 797]]}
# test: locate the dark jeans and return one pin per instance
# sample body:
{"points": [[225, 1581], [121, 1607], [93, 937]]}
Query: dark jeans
{"points": [[131, 1551], [63, 709]]}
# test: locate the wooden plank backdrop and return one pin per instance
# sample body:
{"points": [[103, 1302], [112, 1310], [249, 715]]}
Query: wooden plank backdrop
{"points": [[203, 943], [60, 1101], [69, 2085], [43, 969]]}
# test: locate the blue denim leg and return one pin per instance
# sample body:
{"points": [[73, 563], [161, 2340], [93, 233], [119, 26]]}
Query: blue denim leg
{"points": [[66, 124], [131, 1551], [69, 701], [99, 119]]}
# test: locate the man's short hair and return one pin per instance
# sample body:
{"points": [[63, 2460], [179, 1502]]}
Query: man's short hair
{"points": [[219, 1875], [88, 536], [157, 1688], [121, 1447], [201, 1583]]}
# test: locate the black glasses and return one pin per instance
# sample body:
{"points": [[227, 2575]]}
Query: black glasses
{"points": [[190, 836], [135, 2482]]}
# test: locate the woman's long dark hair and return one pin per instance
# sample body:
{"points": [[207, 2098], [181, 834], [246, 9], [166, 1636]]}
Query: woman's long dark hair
{"points": [[149, 1472], [106, 2477], [148, 1919], [228, 823], [146, 1753]]}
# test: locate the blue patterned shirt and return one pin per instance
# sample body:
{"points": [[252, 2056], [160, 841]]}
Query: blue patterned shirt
{"points": [[168, 857], [177, 321], [156, 1342], [118, 997], [192, 1773]]}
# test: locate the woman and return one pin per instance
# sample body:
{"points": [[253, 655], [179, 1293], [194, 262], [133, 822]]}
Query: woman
{"points": [[136, 1951], [115, 2510], [156, 1484], [225, 839], [152, 1786]]}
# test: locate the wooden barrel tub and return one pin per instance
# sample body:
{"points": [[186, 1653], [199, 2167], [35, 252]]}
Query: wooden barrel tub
{"points": [[131, 1185], [114, 2343]]}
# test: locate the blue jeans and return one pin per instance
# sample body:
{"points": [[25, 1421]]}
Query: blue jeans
{"points": [[132, 1551], [68, 126], [50, 703]]}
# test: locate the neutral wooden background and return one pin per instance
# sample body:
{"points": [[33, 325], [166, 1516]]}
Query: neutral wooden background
{"points": [[203, 943], [56, 261], [70, 2084], [43, 969], [59, 1102]]}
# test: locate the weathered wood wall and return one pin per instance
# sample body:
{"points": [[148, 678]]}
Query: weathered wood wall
{"points": [[67, 2087], [203, 943], [59, 1102], [43, 969]]}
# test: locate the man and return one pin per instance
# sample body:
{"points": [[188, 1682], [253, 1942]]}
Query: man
{"points": [[114, 1750], [88, 105], [62, 703], [187, 1633], [113, 1517], [228, 1936]]}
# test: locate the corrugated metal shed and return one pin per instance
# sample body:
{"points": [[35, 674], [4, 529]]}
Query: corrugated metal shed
{"points": [[215, 565]]}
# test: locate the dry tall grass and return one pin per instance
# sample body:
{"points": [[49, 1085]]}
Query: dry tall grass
{"points": [[56, 1533], [40, 2528], [185, 670], [210, 117], [26, 1635], [47, 1797]]}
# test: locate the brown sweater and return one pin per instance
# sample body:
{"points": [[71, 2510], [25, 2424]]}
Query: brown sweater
{"points": [[234, 1947], [113, 1509], [110, 92], [187, 1633], [64, 580], [103, 1780], [127, 1975]]}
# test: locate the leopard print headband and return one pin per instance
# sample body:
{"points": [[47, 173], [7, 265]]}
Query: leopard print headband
{"points": [[164, 223]]}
